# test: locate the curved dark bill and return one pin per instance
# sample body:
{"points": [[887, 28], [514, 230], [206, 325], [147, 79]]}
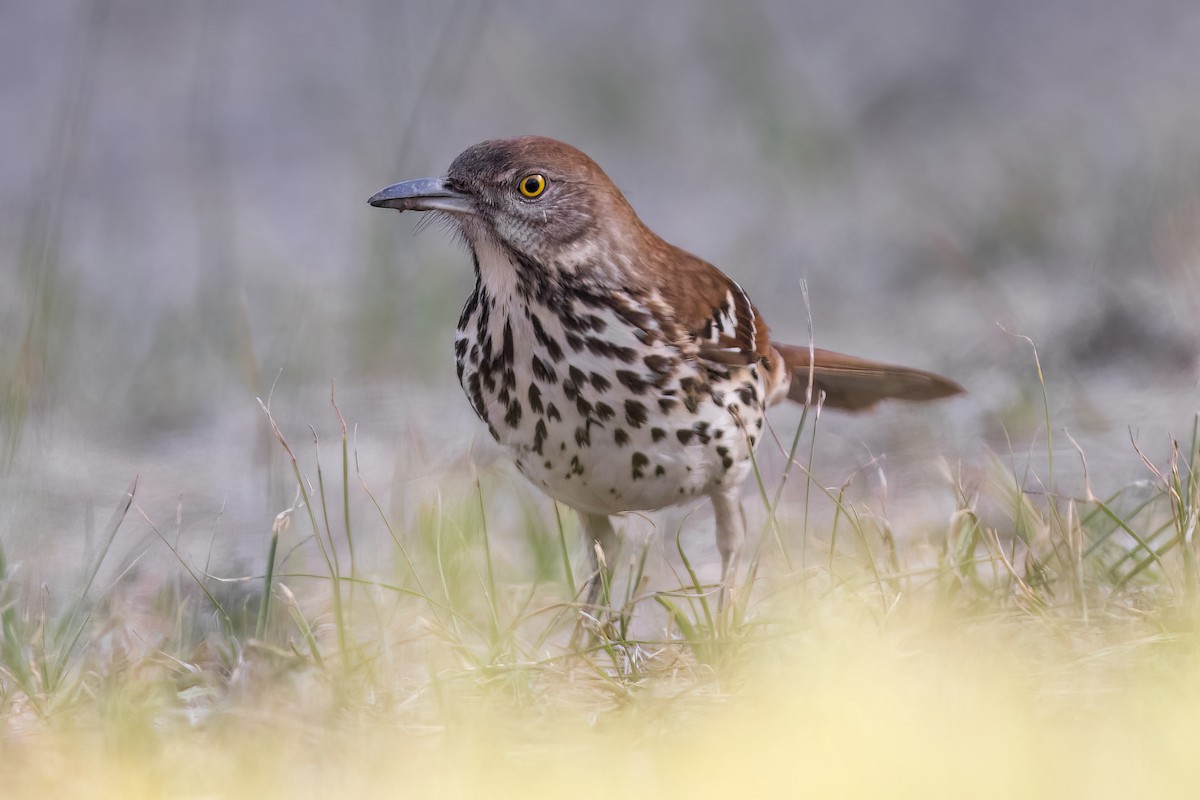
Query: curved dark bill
{"points": [[423, 194]]}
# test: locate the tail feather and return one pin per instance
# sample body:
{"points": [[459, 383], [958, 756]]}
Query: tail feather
{"points": [[853, 384]]}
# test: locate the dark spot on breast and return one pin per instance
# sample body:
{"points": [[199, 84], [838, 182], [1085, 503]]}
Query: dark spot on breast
{"points": [[666, 404], [584, 407], [639, 462], [542, 372], [684, 435], [471, 305], [576, 466], [506, 348], [535, 399], [599, 347], [631, 381], [604, 412], [659, 471], [460, 348], [657, 434], [575, 342], [726, 460], [583, 437], [692, 390], [513, 417], [606, 349], [476, 394], [539, 438], [570, 321], [716, 374], [578, 376], [747, 394], [657, 363], [553, 348], [481, 322], [620, 437], [635, 413], [552, 412], [475, 353], [601, 383]]}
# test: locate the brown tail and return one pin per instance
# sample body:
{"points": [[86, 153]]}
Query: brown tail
{"points": [[853, 384]]}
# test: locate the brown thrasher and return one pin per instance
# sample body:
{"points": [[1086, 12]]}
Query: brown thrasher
{"points": [[619, 371]]}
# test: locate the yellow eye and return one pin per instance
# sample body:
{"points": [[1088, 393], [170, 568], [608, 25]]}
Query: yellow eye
{"points": [[532, 185]]}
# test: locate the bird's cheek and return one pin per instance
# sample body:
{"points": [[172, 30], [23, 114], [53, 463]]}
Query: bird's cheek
{"points": [[475, 229], [518, 235]]}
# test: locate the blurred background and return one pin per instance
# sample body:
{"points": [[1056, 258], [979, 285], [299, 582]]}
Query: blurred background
{"points": [[185, 230]]}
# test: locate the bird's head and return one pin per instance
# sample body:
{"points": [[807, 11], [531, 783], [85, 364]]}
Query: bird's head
{"points": [[535, 196]]}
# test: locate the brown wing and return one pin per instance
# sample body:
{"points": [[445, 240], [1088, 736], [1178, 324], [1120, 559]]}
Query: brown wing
{"points": [[854, 384], [713, 310]]}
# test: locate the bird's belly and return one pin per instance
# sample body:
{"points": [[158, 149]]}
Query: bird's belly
{"points": [[604, 430], [617, 466]]}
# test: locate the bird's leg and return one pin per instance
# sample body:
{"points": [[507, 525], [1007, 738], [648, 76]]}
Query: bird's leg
{"points": [[598, 533], [600, 538], [731, 536]]}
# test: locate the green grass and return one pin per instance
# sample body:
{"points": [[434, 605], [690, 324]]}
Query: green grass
{"points": [[1041, 644]]}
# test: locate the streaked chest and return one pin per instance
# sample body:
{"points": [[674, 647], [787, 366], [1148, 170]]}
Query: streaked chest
{"points": [[595, 404]]}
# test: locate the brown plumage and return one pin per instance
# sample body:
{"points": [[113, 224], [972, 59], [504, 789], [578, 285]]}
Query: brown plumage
{"points": [[621, 372], [853, 384]]}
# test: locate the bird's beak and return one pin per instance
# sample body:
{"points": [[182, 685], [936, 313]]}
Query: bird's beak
{"points": [[423, 194]]}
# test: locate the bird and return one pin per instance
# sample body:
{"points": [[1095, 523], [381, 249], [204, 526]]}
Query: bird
{"points": [[620, 372]]}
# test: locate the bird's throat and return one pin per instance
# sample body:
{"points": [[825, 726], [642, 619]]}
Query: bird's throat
{"points": [[497, 270]]}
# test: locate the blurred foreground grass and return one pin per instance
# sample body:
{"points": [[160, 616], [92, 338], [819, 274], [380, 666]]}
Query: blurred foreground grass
{"points": [[995, 708], [1039, 645]]}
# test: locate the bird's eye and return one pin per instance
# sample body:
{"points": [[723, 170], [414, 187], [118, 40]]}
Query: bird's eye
{"points": [[532, 185]]}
